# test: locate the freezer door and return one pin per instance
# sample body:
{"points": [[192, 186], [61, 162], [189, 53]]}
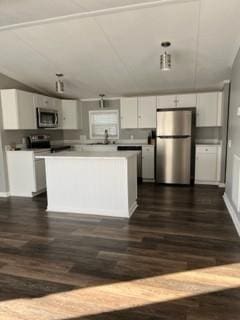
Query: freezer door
{"points": [[174, 123], [174, 160]]}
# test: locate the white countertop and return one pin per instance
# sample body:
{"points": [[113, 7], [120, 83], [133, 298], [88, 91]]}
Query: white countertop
{"points": [[90, 155]]}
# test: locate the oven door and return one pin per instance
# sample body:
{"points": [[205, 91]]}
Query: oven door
{"points": [[47, 118]]}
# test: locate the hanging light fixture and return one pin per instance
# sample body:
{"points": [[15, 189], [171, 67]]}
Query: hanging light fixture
{"points": [[59, 83], [165, 58], [101, 101]]}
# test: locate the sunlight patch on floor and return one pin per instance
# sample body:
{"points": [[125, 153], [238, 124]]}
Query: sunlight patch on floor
{"points": [[123, 295]]}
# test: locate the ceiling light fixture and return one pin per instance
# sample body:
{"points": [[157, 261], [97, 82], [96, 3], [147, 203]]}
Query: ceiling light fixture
{"points": [[165, 58], [101, 101], [59, 83]]}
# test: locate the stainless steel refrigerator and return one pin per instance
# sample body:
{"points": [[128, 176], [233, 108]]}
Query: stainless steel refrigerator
{"points": [[175, 147]]}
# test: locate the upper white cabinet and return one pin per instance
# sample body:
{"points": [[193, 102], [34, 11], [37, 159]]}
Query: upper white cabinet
{"points": [[147, 112], [129, 113], [138, 112], [209, 109], [41, 101], [18, 111], [167, 101], [186, 100], [70, 115]]}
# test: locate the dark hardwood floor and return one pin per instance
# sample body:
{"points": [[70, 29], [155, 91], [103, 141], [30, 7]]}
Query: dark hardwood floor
{"points": [[178, 258]]}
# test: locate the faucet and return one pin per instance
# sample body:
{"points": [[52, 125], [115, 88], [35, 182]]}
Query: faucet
{"points": [[106, 136]]}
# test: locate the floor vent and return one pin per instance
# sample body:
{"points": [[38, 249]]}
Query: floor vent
{"points": [[236, 182]]}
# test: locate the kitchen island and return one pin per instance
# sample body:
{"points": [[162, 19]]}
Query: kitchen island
{"points": [[99, 183]]}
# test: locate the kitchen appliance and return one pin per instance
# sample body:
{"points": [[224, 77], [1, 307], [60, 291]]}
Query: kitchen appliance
{"points": [[139, 158], [38, 142], [47, 118], [175, 146], [43, 142]]}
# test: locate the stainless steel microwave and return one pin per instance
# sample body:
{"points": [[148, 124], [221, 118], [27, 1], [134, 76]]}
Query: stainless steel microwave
{"points": [[47, 118]]}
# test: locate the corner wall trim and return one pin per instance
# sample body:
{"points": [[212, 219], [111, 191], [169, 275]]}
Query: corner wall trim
{"points": [[4, 194], [222, 185], [233, 213]]}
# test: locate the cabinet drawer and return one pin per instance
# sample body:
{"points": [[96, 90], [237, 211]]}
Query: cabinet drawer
{"points": [[206, 149]]}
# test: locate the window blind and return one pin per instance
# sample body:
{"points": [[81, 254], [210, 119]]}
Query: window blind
{"points": [[102, 120]]}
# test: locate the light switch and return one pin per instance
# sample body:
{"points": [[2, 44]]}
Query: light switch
{"points": [[238, 111], [229, 143]]}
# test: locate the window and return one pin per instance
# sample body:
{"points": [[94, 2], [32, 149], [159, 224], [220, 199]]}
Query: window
{"points": [[102, 120]]}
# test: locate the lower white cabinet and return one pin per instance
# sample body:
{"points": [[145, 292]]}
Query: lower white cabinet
{"points": [[40, 175], [207, 165], [26, 175], [148, 163]]}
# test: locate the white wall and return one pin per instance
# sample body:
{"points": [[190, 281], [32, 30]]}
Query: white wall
{"points": [[234, 130]]}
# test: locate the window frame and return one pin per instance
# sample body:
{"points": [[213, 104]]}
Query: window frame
{"points": [[91, 112]]}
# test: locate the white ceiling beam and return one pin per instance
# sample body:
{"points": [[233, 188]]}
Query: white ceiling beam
{"points": [[93, 13]]}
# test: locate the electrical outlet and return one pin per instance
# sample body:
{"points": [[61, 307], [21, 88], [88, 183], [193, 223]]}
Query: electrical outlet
{"points": [[238, 111], [132, 137]]}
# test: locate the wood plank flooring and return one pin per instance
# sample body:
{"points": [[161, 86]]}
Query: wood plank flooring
{"points": [[178, 258]]}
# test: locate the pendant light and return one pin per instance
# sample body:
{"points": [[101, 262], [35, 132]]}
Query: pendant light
{"points": [[101, 101], [165, 58], [59, 83]]}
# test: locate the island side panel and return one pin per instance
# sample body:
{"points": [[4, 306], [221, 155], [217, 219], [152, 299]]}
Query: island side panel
{"points": [[132, 184], [88, 185]]}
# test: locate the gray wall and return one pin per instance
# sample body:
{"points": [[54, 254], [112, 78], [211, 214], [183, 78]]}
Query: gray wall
{"points": [[7, 137], [94, 105], [234, 125], [224, 130], [201, 133]]}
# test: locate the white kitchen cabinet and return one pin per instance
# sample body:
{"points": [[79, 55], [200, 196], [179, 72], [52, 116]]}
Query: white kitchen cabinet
{"points": [[40, 175], [186, 100], [17, 109], [209, 109], [147, 112], [148, 163], [207, 165], [41, 101], [70, 115], [129, 113], [26, 174], [167, 101]]}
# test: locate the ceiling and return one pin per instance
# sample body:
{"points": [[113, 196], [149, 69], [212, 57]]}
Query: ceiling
{"points": [[113, 46]]}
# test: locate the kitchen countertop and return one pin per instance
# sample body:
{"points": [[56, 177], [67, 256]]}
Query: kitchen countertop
{"points": [[90, 155]]}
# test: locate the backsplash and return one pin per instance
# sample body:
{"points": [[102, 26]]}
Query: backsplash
{"points": [[201, 133], [15, 136], [110, 104]]}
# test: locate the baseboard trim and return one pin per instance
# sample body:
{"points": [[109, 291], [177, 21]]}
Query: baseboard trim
{"points": [[209, 183], [222, 185], [133, 208], [95, 212], [233, 213], [4, 194]]}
